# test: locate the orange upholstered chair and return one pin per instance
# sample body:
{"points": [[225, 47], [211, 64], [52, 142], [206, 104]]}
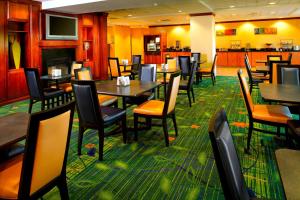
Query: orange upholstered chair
{"points": [[114, 68], [43, 164], [160, 109], [104, 100], [274, 115]]}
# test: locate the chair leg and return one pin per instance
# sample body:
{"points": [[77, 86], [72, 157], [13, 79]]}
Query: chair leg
{"points": [[158, 92], [251, 86], [175, 124], [212, 79], [148, 122], [278, 131], [197, 77], [101, 143], [189, 97], [63, 188], [124, 129], [80, 136], [43, 104], [30, 106], [192, 90], [165, 126], [250, 129], [136, 118]]}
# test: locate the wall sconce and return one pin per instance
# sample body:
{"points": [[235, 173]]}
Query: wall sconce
{"points": [[86, 47]]}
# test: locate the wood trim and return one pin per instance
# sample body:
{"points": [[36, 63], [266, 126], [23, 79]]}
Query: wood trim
{"points": [[58, 43], [43, 12], [202, 14], [255, 20], [154, 26]]}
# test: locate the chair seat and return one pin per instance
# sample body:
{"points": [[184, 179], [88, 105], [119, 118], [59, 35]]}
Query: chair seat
{"points": [[111, 114], [204, 70], [125, 73], [152, 107], [51, 92], [66, 87], [272, 113], [106, 100], [10, 173]]}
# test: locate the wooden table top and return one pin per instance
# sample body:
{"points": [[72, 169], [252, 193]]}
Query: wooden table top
{"points": [[13, 128], [50, 77], [262, 68], [159, 69], [280, 92], [288, 162], [135, 88]]}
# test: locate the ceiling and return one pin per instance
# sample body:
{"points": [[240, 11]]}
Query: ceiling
{"points": [[164, 12]]}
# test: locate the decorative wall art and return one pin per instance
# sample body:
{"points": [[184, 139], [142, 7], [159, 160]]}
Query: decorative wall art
{"points": [[226, 32], [259, 31]]}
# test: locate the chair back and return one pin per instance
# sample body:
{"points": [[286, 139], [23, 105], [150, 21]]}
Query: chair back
{"points": [[167, 58], [248, 68], [46, 149], [274, 58], [75, 65], [185, 65], [192, 74], [147, 73], [288, 74], [83, 73], [172, 93], [274, 69], [114, 67], [214, 64], [246, 93], [290, 58], [227, 161], [172, 64], [196, 56], [136, 62], [87, 103], [33, 83]]}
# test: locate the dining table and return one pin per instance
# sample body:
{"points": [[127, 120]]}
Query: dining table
{"points": [[13, 128], [282, 93], [134, 89], [56, 79], [288, 162]]}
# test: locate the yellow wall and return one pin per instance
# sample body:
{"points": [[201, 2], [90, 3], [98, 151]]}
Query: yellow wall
{"points": [[181, 33], [137, 41], [286, 30], [119, 40]]}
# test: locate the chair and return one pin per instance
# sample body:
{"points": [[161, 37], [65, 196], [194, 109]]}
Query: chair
{"points": [[168, 58], [37, 93], [185, 65], [288, 74], [254, 79], [294, 130], [114, 68], [147, 74], [227, 160], [104, 100], [273, 115], [290, 57], [188, 85], [274, 69], [208, 72], [160, 109], [197, 58], [273, 58], [93, 116], [43, 164], [136, 64]]}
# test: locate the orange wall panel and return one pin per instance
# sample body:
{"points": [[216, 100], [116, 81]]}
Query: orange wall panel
{"points": [[18, 11]]}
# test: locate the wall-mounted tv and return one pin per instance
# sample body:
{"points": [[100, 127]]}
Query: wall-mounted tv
{"points": [[60, 27]]}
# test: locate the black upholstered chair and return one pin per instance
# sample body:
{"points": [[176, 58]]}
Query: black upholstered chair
{"points": [[94, 116], [288, 74], [47, 96], [185, 66], [160, 109], [187, 85], [207, 72], [136, 64], [43, 164], [114, 68], [147, 73], [227, 160], [197, 58]]}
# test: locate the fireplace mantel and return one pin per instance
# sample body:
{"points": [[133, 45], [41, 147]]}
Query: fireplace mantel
{"points": [[59, 44]]}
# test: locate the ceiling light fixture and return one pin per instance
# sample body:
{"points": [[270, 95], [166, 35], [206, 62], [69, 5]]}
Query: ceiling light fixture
{"points": [[179, 11], [232, 6], [130, 15], [155, 4], [233, 14], [272, 3]]}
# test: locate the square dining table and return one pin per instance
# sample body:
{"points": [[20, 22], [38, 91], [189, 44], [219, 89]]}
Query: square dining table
{"points": [[57, 79], [135, 88]]}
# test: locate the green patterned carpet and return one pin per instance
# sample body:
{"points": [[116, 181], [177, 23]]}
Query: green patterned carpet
{"points": [[186, 170]]}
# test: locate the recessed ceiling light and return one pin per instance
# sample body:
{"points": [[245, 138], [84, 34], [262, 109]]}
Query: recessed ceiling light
{"points": [[155, 4], [130, 15], [232, 6], [233, 14], [179, 11], [273, 12], [272, 3]]}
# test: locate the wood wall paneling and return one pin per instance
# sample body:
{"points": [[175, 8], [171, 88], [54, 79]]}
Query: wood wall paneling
{"points": [[222, 59], [3, 51], [103, 49], [16, 84], [18, 11]]}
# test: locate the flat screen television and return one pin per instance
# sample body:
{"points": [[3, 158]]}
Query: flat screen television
{"points": [[60, 27]]}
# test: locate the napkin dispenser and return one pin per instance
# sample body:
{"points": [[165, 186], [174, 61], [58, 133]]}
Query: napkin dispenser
{"points": [[56, 72], [123, 81], [125, 62]]}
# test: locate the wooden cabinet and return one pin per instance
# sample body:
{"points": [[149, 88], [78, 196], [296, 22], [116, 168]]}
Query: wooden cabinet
{"points": [[18, 11], [222, 59], [296, 58]]}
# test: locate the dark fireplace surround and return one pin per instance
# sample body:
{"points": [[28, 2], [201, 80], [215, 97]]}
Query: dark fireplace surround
{"points": [[57, 58]]}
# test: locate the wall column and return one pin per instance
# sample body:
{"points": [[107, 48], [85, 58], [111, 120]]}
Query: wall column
{"points": [[203, 36]]}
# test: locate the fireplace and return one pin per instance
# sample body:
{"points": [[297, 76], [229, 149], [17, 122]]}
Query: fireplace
{"points": [[57, 58]]}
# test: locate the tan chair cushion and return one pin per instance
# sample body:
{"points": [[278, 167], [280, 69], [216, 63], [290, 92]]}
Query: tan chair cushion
{"points": [[105, 100], [204, 70], [271, 113], [66, 87], [10, 173], [152, 107], [84, 75]]}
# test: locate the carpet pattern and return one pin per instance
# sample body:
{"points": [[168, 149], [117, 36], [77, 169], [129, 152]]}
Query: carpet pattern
{"points": [[186, 170]]}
